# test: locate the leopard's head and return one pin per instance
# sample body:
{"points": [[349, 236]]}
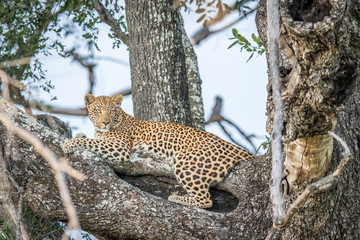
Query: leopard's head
{"points": [[105, 112]]}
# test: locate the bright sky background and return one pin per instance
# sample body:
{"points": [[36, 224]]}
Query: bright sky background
{"points": [[224, 72]]}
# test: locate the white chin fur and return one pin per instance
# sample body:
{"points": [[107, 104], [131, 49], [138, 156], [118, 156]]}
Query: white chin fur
{"points": [[103, 130]]}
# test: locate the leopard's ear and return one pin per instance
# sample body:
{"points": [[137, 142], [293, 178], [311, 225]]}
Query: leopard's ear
{"points": [[117, 99], [89, 98]]}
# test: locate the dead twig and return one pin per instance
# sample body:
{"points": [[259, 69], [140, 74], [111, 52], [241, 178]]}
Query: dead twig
{"points": [[273, 31], [217, 117], [20, 190], [321, 185], [67, 111], [89, 66]]}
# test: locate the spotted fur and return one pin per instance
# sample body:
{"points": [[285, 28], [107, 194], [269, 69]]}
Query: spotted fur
{"points": [[199, 158]]}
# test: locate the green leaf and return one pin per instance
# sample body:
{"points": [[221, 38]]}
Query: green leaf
{"points": [[250, 57], [235, 32], [233, 44]]}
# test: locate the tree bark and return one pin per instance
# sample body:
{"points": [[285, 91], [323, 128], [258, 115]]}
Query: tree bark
{"points": [[319, 63], [164, 75]]}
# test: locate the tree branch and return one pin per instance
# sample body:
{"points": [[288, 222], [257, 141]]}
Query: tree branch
{"points": [[67, 111], [217, 117], [106, 17], [205, 32], [273, 32], [13, 63], [89, 66]]}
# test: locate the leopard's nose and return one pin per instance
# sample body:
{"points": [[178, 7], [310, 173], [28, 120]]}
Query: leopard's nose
{"points": [[106, 123]]}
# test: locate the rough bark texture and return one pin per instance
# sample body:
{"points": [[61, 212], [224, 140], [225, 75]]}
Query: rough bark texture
{"points": [[164, 85], [320, 62], [320, 56]]}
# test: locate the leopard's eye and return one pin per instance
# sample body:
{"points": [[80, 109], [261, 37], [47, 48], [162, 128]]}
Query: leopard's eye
{"points": [[96, 110]]}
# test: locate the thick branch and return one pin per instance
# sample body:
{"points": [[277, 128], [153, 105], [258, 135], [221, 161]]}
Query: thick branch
{"points": [[59, 167], [126, 211]]}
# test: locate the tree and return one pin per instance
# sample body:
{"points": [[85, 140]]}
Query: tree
{"points": [[319, 66]]}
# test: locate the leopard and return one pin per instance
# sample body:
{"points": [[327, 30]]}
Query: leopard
{"points": [[198, 158]]}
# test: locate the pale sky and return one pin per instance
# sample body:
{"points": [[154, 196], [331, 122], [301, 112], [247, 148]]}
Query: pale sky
{"points": [[224, 72]]}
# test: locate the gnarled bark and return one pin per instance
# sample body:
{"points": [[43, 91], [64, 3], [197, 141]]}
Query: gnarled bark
{"points": [[320, 62]]}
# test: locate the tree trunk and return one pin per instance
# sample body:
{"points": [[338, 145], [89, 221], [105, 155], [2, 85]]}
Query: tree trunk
{"points": [[320, 59], [164, 75]]}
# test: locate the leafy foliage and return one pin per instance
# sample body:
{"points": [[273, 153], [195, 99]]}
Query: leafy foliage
{"points": [[5, 230], [33, 27], [246, 45]]}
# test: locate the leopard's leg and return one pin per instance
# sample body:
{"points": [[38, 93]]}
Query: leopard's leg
{"points": [[195, 184], [111, 150]]}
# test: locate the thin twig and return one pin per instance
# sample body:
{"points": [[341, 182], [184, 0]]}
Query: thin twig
{"points": [[49, 155], [205, 32], [229, 135], [321, 185], [247, 137], [16, 215], [112, 59], [217, 117], [273, 30], [68, 111], [271, 233], [89, 66], [20, 204]]}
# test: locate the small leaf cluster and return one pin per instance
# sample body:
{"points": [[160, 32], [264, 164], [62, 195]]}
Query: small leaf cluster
{"points": [[265, 145], [215, 10], [246, 45]]}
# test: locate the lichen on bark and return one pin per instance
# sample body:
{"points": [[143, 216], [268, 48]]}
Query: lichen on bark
{"points": [[171, 91]]}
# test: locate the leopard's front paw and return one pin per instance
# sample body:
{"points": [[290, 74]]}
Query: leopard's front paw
{"points": [[68, 146]]}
